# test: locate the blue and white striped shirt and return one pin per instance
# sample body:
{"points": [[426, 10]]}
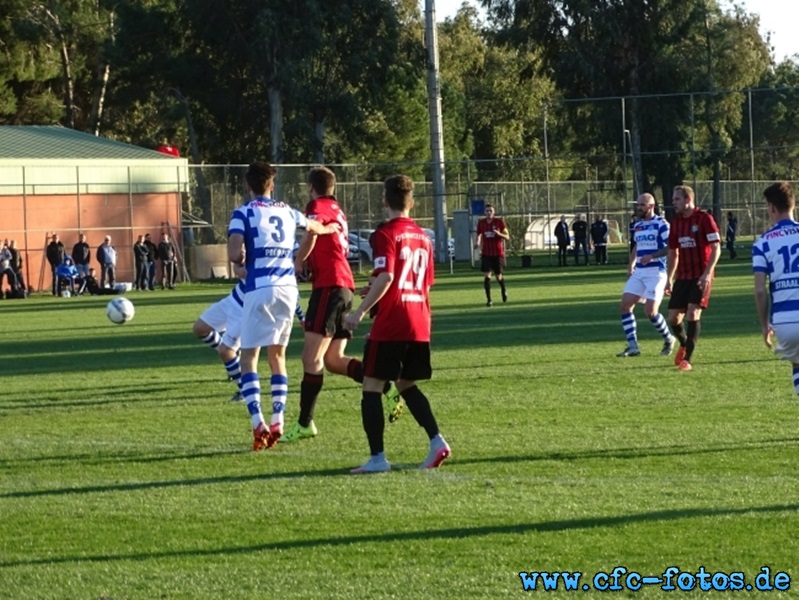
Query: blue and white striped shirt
{"points": [[269, 229], [776, 253], [650, 236]]}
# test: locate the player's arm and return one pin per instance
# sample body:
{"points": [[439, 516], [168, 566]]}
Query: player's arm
{"points": [[503, 233], [307, 244], [377, 290], [762, 302], [631, 262], [707, 276], [316, 228], [235, 249], [671, 267]]}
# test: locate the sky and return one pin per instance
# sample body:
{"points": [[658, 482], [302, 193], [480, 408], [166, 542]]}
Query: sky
{"points": [[776, 16]]}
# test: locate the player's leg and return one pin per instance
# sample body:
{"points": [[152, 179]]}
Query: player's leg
{"points": [[313, 351], [230, 358], [384, 363], [655, 287], [416, 366], [499, 274], [487, 285], [628, 324], [279, 383], [251, 390], [692, 319], [207, 334]]}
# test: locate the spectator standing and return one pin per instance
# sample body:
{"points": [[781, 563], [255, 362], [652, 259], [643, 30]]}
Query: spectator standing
{"points": [[16, 263], [152, 255], [82, 255], [580, 229], [6, 271], [140, 260], [107, 257], [732, 234], [599, 237], [55, 256], [166, 252], [564, 240]]}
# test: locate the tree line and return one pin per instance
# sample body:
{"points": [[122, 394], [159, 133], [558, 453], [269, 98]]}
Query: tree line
{"points": [[673, 84]]}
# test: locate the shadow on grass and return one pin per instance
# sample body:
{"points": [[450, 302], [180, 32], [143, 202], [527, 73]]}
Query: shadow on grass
{"points": [[616, 453], [453, 533]]}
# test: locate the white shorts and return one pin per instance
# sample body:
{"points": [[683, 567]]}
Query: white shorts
{"points": [[268, 316], [647, 284], [225, 315], [787, 341]]}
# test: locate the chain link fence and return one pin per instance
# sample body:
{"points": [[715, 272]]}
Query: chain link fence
{"points": [[520, 203]]}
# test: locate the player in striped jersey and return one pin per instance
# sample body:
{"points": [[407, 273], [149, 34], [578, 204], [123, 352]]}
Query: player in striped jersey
{"points": [[775, 257], [694, 250], [647, 271], [261, 238]]}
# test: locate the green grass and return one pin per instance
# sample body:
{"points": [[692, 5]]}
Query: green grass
{"points": [[124, 473]]}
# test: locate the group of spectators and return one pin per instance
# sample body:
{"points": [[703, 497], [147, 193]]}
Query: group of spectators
{"points": [[73, 273]]}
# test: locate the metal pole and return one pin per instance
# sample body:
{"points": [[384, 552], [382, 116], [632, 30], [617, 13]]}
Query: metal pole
{"points": [[549, 187], [624, 150], [436, 128], [751, 146]]}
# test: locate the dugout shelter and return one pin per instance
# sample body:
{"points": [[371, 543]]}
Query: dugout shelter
{"points": [[55, 179]]}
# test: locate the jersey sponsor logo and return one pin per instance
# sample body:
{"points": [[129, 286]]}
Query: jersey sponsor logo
{"points": [[380, 262], [785, 284], [782, 232], [687, 242]]}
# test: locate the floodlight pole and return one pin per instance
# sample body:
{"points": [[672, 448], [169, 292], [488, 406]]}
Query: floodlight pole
{"points": [[436, 132]]}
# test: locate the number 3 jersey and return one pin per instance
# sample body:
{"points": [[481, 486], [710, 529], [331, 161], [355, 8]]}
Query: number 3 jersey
{"points": [[776, 253], [403, 249], [269, 229]]}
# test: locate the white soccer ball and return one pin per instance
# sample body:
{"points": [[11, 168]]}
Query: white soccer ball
{"points": [[120, 310]]}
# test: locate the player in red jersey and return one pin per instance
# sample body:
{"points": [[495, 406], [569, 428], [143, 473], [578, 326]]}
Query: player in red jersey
{"points": [[491, 235], [694, 250], [331, 299], [398, 346]]}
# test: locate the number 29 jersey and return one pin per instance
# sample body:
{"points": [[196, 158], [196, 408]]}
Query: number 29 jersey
{"points": [[403, 249], [775, 254]]}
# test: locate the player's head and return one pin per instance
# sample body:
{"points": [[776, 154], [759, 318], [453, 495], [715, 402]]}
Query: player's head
{"points": [[682, 198], [780, 198], [398, 193], [645, 206], [260, 176], [490, 210], [322, 181]]}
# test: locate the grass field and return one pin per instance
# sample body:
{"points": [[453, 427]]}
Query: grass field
{"points": [[125, 474]]}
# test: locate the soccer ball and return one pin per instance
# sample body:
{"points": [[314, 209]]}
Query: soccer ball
{"points": [[120, 310]]}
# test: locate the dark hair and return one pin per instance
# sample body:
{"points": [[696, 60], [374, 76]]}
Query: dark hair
{"points": [[259, 175], [489, 205], [399, 192], [322, 180], [780, 196]]}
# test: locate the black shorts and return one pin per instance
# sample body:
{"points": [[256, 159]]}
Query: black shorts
{"points": [[687, 291], [492, 264], [327, 309], [389, 361]]}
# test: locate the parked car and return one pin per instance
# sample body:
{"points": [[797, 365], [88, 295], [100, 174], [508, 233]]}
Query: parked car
{"points": [[359, 248]]}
